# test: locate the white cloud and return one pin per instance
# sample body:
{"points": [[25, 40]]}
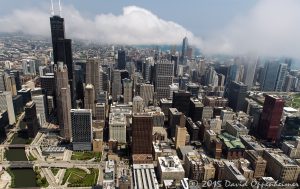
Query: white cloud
{"points": [[134, 26], [271, 28]]}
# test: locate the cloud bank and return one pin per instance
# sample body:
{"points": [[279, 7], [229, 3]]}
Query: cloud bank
{"points": [[134, 26], [270, 28]]}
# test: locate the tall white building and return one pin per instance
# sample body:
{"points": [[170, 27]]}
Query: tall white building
{"points": [[116, 85], [28, 66], [163, 78], [138, 104], [41, 108], [117, 127], [89, 98], [127, 84], [147, 92], [6, 104], [174, 87]]}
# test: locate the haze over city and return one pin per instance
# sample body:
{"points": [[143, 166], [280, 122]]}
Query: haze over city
{"points": [[267, 28], [150, 94]]}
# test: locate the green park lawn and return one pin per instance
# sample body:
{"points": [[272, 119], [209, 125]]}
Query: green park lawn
{"points": [[86, 156], [79, 178]]}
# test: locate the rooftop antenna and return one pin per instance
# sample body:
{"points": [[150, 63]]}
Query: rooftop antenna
{"points": [[52, 9], [59, 7]]}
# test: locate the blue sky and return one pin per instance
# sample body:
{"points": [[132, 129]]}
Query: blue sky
{"points": [[199, 16]]}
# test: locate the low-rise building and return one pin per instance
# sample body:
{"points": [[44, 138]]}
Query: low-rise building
{"points": [[233, 148], [144, 176], [169, 167]]}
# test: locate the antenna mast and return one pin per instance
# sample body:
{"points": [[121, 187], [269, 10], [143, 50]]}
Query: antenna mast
{"points": [[59, 7], [51, 8]]}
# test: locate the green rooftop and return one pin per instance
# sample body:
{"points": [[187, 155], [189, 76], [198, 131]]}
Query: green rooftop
{"points": [[231, 141]]}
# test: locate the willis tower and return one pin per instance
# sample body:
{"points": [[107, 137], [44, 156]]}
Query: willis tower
{"points": [[62, 48]]}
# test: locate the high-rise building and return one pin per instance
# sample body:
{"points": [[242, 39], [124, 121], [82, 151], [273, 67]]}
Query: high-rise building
{"points": [[127, 85], [181, 101], [40, 101], [28, 67], [147, 92], [100, 113], [184, 50], [273, 76], [81, 121], [16, 73], [92, 74], [180, 135], [6, 104], [174, 87], [26, 95], [163, 78], [196, 109], [63, 99], [62, 50], [117, 127], [116, 85], [270, 118], [237, 92], [89, 98], [31, 119], [142, 127], [137, 104], [121, 59], [10, 84], [48, 83], [174, 119]]}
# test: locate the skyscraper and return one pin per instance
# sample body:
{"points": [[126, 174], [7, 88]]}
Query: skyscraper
{"points": [[81, 121], [146, 92], [6, 104], [31, 119], [127, 85], [121, 60], [62, 50], [92, 74], [116, 85], [63, 99], [180, 135], [270, 118], [237, 92], [184, 49], [89, 98], [163, 78], [273, 76], [40, 101], [142, 127], [181, 101]]}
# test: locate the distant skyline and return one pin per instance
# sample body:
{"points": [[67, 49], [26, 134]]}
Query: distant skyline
{"points": [[266, 27]]}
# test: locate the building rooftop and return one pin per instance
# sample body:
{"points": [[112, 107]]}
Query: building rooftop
{"points": [[231, 141], [144, 176], [170, 164]]}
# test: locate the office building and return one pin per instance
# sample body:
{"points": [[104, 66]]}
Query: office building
{"points": [[16, 74], [142, 128], [233, 148], [48, 83], [121, 60], [63, 100], [127, 85], [270, 118], [89, 98], [232, 173], [28, 66], [169, 167], [196, 109], [281, 167], [181, 101], [116, 85], [257, 163], [6, 104], [174, 119], [181, 132], [164, 105], [82, 135], [147, 92], [138, 105], [117, 127], [236, 128], [26, 95], [163, 78], [31, 119], [18, 104], [142, 182], [237, 92], [193, 88], [100, 111], [40, 101], [174, 87], [192, 129], [92, 74]]}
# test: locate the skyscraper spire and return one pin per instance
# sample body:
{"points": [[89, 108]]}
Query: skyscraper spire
{"points": [[51, 8], [59, 8]]}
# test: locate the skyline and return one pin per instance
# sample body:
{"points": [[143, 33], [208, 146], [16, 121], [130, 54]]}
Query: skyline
{"points": [[232, 28]]}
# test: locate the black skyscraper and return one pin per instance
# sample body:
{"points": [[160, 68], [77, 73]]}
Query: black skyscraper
{"points": [[237, 92], [58, 36], [121, 59], [62, 49]]}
